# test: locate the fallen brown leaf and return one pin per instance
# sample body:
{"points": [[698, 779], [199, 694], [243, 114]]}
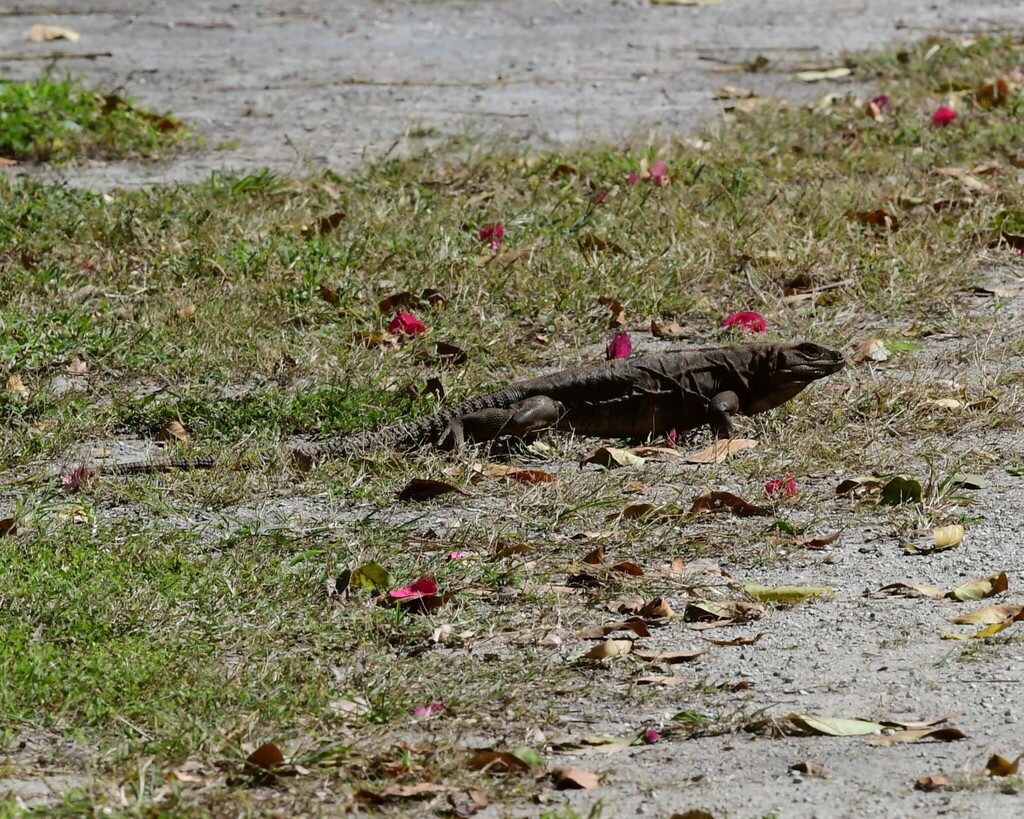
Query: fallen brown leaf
{"points": [[933, 782], [497, 762], [720, 450], [421, 489], [669, 657], [727, 502], [574, 779], [268, 755], [173, 431]]}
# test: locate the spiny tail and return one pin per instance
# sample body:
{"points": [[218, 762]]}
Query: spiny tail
{"points": [[425, 432]]}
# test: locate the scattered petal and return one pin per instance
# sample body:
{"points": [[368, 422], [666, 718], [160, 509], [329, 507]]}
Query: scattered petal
{"points": [[424, 711], [748, 321], [492, 235], [633, 178], [619, 347], [785, 487], [943, 116], [424, 587], [456, 555], [406, 323], [883, 102], [651, 736], [658, 173]]}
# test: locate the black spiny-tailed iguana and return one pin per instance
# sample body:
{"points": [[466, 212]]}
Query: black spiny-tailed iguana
{"points": [[630, 398]]}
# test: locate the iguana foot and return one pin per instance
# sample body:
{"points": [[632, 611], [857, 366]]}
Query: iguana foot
{"points": [[720, 412], [520, 419]]}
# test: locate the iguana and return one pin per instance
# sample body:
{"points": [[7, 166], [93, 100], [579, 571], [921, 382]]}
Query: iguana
{"points": [[628, 398]]}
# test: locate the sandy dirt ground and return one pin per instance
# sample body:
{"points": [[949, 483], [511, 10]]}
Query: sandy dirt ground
{"points": [[297, 85]]}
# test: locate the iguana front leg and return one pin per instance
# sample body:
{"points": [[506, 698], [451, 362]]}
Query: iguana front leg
{"points": [[519, 420], [720, 411]]}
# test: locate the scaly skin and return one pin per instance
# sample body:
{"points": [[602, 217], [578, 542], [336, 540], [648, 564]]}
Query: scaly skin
{"points": [[628, 398]]}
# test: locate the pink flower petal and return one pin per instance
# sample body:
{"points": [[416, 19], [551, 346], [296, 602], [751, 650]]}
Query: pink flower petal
{"points": [[671, 437], [492, 235], [406, 323], [943, 116], [600, 196], [454, 556], [424, 587], [633, 178], [883, 103], [651, 736], [781, 486], [619, 347], [424, 711], [659, 173], [75, 479], [748, 321]]}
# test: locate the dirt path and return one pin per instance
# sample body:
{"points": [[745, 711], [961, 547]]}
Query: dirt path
{"points": [[299, 84]]}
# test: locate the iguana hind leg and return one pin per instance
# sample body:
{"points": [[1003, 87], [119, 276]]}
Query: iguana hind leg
{"points": [[520, 419], [720, 411]]}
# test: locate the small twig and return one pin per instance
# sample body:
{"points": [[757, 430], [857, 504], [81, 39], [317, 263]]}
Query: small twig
{"points": [[56, 55]]}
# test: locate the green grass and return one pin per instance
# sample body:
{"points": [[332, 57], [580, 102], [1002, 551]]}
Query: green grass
{"points": [[173, 618], [58, 120]]}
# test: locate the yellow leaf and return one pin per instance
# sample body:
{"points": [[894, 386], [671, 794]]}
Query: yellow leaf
{"points": [[989, 615], [835, 726], [43, 34], [609, 648], [978, 589], [783, 595], [826, 74], [997, 766], [946, 537]]}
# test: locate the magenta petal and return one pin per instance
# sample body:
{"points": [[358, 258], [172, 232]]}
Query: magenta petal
{"points": [[748, 321], [943, 116], [633, 179], [619, 347], [659, 173], [492, 235], [424, 587], [428, 710], [781, 486], [651, 736], [883, 103], [406, 323], [454, 556]]}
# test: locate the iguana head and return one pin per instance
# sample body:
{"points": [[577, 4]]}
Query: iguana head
{"points": [[787, 369]]}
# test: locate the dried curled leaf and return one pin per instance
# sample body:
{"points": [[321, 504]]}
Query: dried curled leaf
{"points": [[727, 502], [720, 450], [997, 766], [608, 649], [420, 489], [574, 779]]}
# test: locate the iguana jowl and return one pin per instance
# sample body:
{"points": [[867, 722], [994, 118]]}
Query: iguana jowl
{"points": [[628, 398]]}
